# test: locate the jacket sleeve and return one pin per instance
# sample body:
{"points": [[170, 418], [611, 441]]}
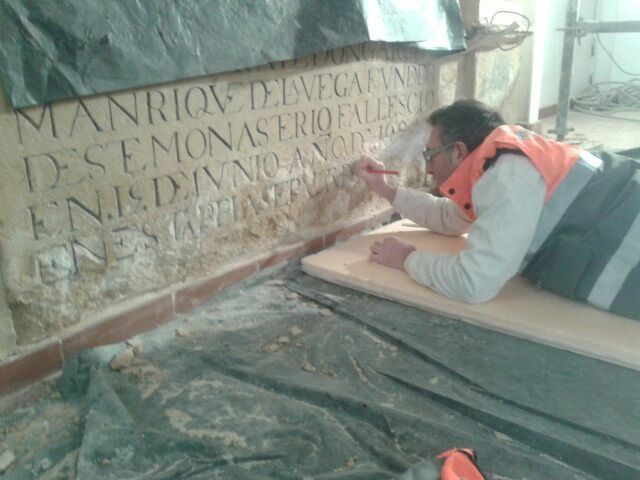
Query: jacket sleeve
{"points": [[508, 200], [439, 215]]}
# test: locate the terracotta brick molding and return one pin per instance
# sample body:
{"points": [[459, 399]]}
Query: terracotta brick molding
{"points": [[120, 327], [40, 361], [192, 296]]}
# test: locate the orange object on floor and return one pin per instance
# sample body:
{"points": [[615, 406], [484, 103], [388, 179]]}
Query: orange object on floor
{"points": [[460, 464]]}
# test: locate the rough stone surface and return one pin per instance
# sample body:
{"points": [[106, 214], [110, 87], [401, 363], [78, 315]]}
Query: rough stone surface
{"points": [[123, 359], [109, 196], [7, 332], [496, 76], [448, 82], [7, 459]]}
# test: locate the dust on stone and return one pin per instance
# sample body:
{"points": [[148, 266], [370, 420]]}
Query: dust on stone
{"points": [[180, 420], [135, 345], [272, 347], [278, 344], [26, 437], [182, 332], [307, 367], [65, 468], [123, 359], [358, 369], [151, 377], [7, 459], [295, 330]]}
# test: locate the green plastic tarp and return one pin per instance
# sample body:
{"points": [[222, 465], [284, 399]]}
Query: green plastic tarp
{"points": [[289, 377], [69, 48]]}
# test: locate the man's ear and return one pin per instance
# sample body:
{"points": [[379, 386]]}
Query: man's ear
{"points": [[460, 151]]}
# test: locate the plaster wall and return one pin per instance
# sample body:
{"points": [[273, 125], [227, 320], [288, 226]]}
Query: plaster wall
{"points": [[107, 197], [624, 47]]}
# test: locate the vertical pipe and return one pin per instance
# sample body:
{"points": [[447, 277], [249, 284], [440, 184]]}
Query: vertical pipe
{"points": [[565, 71]]}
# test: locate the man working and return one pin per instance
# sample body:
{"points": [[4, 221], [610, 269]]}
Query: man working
{"points": [[568, 221]]}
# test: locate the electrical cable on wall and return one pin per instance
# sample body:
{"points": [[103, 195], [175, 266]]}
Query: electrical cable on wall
{"points": [[518, 36], [488, 34], [613, 59]]}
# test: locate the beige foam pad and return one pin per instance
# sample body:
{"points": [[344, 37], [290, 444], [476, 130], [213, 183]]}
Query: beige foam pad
{"points": [[520, 309]]}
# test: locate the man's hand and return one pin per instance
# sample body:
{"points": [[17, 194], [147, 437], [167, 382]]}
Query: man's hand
{"points": [[374, 181], [391, 252]]}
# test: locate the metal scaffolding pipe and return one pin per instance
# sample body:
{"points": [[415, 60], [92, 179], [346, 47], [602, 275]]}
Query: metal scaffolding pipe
{"points": [[583, 28], [565, 70]]}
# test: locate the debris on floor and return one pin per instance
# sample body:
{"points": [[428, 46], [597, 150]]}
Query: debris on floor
{"points": [[266, 389]]}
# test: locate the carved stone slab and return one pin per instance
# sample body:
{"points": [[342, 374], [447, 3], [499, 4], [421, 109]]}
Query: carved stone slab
{"points": [[109, 196]]}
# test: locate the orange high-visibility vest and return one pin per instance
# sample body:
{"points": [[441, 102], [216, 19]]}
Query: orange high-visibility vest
{"points": [[552, 159], [460, 464]]}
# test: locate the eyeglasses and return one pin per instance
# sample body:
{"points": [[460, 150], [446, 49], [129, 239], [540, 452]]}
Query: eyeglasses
{"points": [[429, 154]]}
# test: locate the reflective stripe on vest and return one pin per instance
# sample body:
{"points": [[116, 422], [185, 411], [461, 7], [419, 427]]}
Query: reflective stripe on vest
{"points": [[552, 159], [618, 268], [565, 194]]}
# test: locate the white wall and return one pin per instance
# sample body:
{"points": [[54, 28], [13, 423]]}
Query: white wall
{"points": [[591, 64], [625, 47], [551, 45]]}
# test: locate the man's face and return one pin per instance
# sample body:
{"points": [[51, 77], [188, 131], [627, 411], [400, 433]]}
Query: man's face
{"points": [[442, 164]]}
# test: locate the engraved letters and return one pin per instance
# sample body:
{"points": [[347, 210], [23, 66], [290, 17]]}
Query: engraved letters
{"points": [[130, 174]]}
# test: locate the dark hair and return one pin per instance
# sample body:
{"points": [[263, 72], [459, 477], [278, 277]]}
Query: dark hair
{"points": [[467, 121]]}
